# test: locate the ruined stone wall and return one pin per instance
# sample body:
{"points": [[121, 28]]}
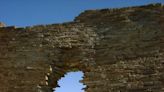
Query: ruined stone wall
{"points": [[119, 50]]}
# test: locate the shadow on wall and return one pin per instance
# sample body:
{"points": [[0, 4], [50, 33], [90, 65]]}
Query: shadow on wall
{"points": [[71, 82]]}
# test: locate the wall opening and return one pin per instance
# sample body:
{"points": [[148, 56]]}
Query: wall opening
{"points": [[71, 82]]}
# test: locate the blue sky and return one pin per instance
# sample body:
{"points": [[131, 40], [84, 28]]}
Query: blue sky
{"points": [[33, 12], [70, 83]]}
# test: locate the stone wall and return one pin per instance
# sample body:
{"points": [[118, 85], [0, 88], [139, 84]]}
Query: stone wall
{"points": [[119, 50]]}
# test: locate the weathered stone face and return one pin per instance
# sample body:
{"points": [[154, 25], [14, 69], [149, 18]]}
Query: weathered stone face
{"points": [[119, 50]]}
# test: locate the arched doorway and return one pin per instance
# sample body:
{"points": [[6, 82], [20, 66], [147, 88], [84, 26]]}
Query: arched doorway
{"points": [[71, 82]]}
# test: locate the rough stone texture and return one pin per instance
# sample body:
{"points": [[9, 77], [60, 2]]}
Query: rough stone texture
{"points": [[119, 50]]}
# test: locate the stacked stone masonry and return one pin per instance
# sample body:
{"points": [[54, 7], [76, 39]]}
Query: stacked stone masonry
{"points": [[119, 50]]}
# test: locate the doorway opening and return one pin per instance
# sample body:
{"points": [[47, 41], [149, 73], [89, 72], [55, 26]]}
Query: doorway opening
{"points": [[71, 82]]}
